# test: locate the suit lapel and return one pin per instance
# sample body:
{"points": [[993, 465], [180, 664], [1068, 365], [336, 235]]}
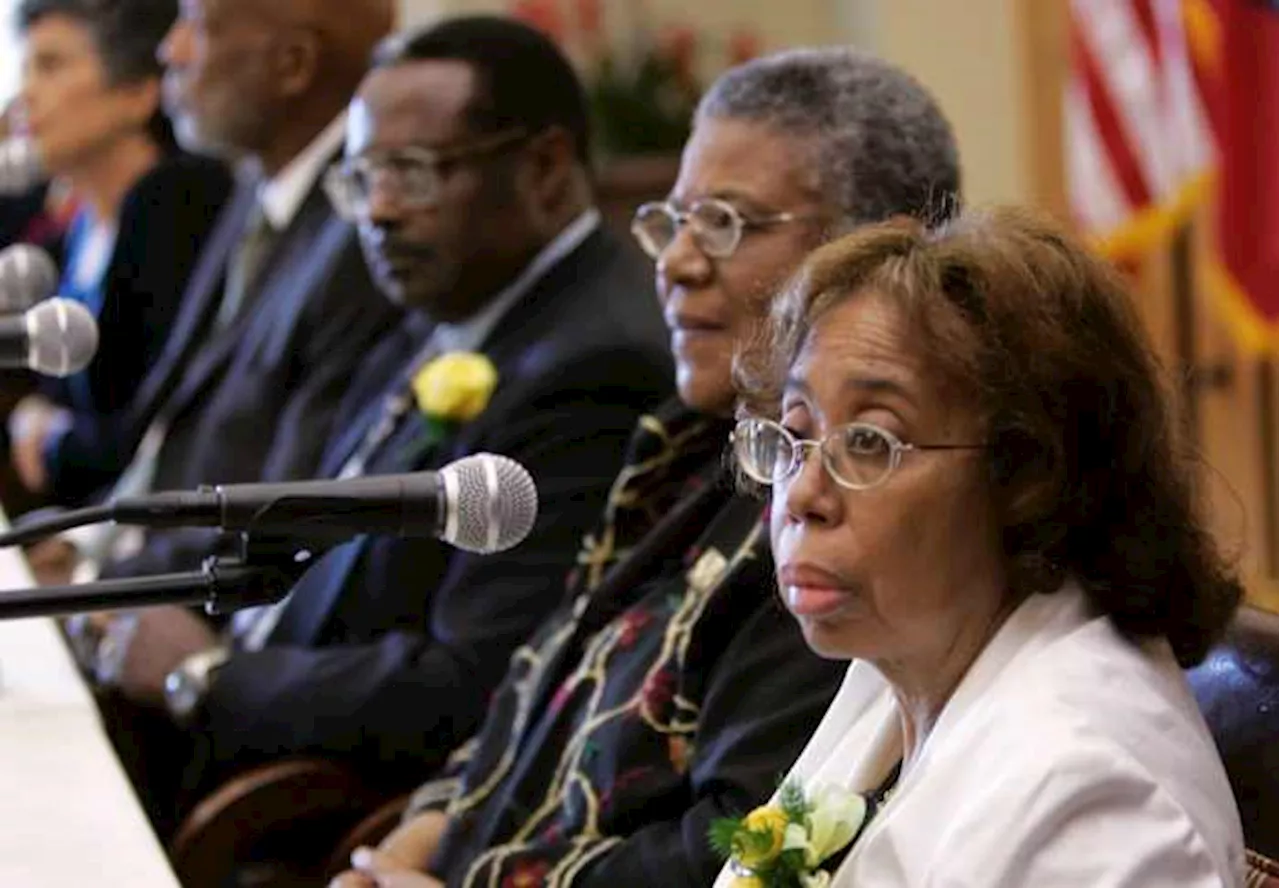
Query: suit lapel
{"points": [[352, 437], [279, 273], [526, 326], [305, 615], [521, 326], [199, 302], [519, 330], [408, 449]]}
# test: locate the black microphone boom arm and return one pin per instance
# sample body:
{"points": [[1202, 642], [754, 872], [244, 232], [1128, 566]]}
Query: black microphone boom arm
{"points": [[262, 573]]}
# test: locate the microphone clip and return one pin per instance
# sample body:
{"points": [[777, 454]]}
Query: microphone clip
{"points": [[257, 570], [254, 569]]}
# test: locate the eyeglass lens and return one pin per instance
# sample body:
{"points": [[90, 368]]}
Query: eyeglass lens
{"points": [[716, 227], [858, 455]]}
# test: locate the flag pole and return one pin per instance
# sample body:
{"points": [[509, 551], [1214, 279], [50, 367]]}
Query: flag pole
{"points": [[1266, 370], [1189, 374]]}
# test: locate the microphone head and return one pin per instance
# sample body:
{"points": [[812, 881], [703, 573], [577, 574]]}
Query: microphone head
{"points": [[62, 337], [20, 168], [27, 275], [491, 503]]}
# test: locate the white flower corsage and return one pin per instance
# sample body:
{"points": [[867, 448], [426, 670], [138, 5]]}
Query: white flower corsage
{"points": [[782, 845]]}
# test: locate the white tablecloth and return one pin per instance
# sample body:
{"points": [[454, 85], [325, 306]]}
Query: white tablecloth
{"points": [[68, 816]]}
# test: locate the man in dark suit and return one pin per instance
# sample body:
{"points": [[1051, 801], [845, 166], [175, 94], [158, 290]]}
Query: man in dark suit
{"points": [[467, 171], [279, 308]]}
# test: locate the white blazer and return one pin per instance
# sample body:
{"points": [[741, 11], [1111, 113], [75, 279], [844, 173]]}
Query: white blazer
{"points": [[1067, 757]]}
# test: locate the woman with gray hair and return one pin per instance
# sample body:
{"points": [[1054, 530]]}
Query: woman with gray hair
{"points": [[669, 690]]}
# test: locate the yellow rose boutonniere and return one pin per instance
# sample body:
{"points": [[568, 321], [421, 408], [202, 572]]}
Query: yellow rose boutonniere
{"points": [[768, 826], [782, 845], [455, 387]]}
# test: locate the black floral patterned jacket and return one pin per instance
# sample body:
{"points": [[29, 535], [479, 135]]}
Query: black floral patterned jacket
{"points": [[671, 689]]}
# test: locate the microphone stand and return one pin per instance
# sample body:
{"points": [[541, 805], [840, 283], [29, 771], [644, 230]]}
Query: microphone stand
{"points": [[261, 572]]}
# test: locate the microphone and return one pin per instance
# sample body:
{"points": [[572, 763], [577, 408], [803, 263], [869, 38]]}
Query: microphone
{"points": [[27, 275], [20, 168], [57, 337], [482, 503]]}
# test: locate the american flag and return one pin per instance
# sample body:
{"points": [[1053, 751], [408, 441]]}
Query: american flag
{"points": [[1138, 137]]}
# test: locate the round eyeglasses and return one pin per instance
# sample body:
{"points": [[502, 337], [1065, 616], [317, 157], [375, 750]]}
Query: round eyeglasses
{"points": [[858, 456], [412, 174], [717, 226]]}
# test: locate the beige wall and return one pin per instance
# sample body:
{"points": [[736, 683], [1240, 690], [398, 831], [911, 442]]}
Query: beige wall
{"points": [[966, 52], [8, 52]]}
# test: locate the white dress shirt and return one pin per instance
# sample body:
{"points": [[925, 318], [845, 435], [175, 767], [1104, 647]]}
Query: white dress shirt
{"points": [[282, 195], [1066, 757]]}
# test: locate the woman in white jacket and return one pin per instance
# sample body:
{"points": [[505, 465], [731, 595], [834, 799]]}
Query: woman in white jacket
{"points": [[978, 498]]}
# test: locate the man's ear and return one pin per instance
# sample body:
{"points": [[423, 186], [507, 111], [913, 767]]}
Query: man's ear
{"points": [[550, 169], [297, 60]]}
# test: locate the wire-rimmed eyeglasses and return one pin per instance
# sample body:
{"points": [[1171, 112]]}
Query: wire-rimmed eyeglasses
{"points": [[717, 225], [857, 456], [412, 174]]}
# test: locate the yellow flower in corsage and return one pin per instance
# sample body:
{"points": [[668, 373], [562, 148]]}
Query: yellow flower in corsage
{"points": [[455, 387], [782, 845]]}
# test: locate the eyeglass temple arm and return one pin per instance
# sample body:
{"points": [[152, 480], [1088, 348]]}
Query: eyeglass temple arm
{"points": [[945, 446]]}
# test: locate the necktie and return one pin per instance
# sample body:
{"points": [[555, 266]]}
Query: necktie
{"points": [[246, 264], [396, 405]]}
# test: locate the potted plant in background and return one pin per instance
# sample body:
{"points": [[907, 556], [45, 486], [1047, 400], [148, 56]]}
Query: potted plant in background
{"points": [[643, 81]]}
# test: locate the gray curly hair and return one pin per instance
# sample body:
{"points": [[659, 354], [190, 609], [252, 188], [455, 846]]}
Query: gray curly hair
{"points": [[882, 145]]}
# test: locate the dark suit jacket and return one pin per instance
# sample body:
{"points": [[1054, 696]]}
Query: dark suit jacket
{"points": [[165, 220], [388, 647], [261, 394]]}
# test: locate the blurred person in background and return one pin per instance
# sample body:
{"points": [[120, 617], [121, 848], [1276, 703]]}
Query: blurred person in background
{"points": [[39, 215], [278, 313], [279, 305], [90, 102]]}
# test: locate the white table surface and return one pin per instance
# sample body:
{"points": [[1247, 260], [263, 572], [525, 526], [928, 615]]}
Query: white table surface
{"points": [[68, 815]]}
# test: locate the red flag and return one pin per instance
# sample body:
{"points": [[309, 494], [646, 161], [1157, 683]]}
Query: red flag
{"points": [[1236, 54]]}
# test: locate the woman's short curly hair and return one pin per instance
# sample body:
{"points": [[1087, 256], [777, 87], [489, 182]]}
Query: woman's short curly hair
{"points": [[1086, 470]]}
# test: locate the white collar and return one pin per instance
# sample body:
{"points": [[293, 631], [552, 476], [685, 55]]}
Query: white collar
{"points": [[1038, 621], [282, 195], [470, 335]]}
